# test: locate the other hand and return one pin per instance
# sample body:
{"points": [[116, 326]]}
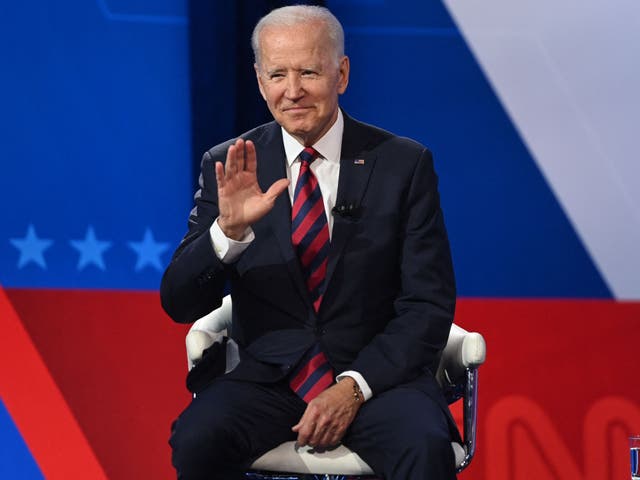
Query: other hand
{"points": [[241, 202], [328, 416]]}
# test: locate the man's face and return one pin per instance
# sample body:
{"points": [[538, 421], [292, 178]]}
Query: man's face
{"points": [[300, 79]]}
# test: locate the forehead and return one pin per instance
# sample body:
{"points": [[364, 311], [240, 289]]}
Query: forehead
{"points": [[302, 42]]}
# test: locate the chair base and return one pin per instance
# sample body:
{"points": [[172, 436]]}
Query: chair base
{"points": [[257, 475]]}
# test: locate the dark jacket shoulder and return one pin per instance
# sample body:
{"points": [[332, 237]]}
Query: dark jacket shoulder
{"points": [[260, 135], [360, 137]]}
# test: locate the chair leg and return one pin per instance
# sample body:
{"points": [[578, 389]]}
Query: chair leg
{"points": [[470, 412]]}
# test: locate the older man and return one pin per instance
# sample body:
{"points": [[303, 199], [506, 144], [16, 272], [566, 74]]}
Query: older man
{"points": [[331, 235]]}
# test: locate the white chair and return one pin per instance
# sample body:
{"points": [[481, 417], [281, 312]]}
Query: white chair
{"points": [[457, 375]]}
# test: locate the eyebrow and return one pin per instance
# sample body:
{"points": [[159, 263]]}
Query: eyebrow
{"points": [[315, 68]]}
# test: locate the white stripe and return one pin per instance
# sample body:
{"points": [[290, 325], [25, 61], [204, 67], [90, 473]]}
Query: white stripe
{"points": [[568, 75]]}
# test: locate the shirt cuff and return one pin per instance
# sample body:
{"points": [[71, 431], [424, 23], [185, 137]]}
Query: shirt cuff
{"points": [[359, 379], [227, 249]]}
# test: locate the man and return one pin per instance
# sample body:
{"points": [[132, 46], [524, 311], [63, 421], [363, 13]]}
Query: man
{"points": [[331, 236]]}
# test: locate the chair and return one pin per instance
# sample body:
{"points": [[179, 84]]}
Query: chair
{"points": [[457, 374]]}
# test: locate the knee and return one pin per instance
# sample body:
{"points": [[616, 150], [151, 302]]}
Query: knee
{"points": [[430, 445], [426, 439], [425, 454], [198, 441]]}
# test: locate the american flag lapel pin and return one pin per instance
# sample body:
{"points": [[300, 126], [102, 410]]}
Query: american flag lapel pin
{"points": [[358, 161]]}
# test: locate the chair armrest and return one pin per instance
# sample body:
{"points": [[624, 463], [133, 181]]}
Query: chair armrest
{"points": [[458, 377], [197, 341], [207, 330], [474, 350], [218, 320], [463, 350]]}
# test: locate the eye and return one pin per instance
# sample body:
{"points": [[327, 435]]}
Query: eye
{"points": [[275, 76], [309, 73]]}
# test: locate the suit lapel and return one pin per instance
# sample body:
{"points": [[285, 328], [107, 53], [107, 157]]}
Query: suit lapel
{"points": [[356, 165], [271, 167]]}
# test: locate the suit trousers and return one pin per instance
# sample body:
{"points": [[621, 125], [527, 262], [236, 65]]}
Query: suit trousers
{"points": [[402, 433]]}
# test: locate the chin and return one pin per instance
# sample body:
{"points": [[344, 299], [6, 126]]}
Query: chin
{"points": [[297, 130]]}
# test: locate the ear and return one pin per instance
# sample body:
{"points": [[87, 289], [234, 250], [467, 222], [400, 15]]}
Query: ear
{"points": [[259, 78], [343, 70]]}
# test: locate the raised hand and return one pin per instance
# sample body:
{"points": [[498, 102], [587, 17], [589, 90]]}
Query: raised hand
{"points": [[240, 200]]}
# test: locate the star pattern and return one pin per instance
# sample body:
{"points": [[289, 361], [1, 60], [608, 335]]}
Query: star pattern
{"points": [[91, 250], [31, 248], [148, 251], [83, 253]]}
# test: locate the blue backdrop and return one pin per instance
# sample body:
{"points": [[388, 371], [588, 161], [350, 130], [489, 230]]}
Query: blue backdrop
{"points": [[96, 137]]}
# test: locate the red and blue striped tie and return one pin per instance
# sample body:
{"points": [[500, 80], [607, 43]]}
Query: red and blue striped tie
{"points": [[309, 228], [310, 238], [312, 375]]}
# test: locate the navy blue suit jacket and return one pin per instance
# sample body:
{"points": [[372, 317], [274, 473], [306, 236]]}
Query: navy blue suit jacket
{"points": [[390, 292]]}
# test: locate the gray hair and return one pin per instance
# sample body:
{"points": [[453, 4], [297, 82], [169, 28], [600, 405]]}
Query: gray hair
{"points": [[295, 15]]}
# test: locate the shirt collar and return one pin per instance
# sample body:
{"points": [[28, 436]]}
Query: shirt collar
{"points": [[328, 146]]}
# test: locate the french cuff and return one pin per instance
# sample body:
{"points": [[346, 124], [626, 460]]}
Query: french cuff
{"points": [[226, 249], [362, 383]]}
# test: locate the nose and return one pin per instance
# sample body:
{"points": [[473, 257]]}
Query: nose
{"points": [[294, 86]]}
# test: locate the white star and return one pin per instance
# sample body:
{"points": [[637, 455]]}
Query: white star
{"points": [[91, 250], [31, 248], [148, 251]]}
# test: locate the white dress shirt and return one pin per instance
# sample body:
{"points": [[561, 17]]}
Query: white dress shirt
{"points": [[326, 168]]}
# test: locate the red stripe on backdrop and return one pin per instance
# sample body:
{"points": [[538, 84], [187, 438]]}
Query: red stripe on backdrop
{"points": [[120, 363], [558, 395], [37, 406]]}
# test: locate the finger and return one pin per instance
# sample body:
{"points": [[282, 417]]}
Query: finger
{"points": [[300, 423], [324, 434], [251, 160], [323, 439], [276, 189], [240, 154], [219, 168], [304, 435], [334, 438], [315, 439], [321, 426], [230, 164], [304, 430]]}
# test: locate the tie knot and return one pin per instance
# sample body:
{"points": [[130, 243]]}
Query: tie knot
{"points": [[308, 155]]}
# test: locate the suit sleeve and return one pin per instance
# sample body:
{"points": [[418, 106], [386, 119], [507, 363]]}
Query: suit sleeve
{"points": [[194, 281], [412, 341]]}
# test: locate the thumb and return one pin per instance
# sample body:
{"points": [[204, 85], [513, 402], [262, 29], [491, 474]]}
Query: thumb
{"points": [[277, 188]]}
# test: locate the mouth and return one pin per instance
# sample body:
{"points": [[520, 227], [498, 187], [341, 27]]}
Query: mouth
{"points": [[296, 109]]}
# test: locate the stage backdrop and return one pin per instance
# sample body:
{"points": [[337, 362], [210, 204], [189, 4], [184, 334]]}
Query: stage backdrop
{"points": [[530, 110]]}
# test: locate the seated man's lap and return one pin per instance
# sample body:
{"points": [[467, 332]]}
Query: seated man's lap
{"points": [[231, 422], [403, 424]]}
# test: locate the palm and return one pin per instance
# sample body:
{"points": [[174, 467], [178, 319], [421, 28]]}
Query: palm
{"points": [[240, 200]]}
